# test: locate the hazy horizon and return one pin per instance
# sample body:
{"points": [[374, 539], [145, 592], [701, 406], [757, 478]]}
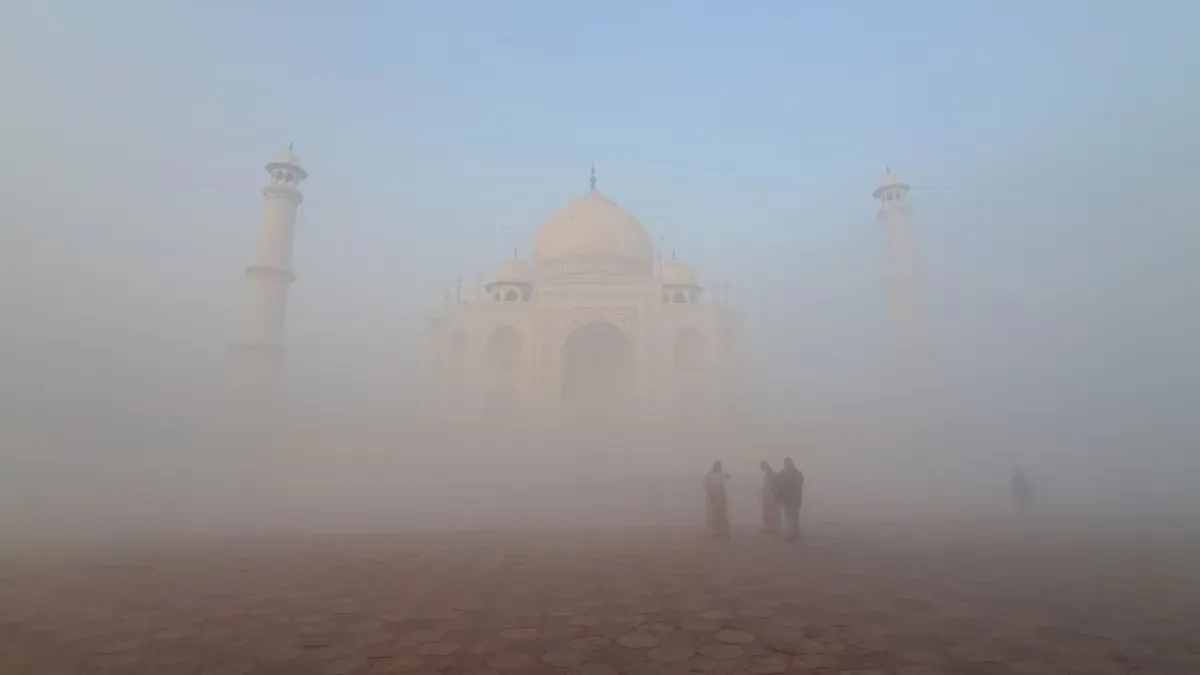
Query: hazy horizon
{"points": [[1051, 149]]}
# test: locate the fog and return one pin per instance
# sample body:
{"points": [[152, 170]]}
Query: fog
{"points": [[1053, 198]]}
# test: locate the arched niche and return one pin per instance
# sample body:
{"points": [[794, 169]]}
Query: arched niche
{"points": [[503, 348]]}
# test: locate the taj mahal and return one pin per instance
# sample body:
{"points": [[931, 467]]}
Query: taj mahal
{"points": [[595, 330]]}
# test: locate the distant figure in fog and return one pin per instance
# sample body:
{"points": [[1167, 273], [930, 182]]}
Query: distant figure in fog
{"points": [[789, 490], [717, 502], [1022, 491], [770, 503]]}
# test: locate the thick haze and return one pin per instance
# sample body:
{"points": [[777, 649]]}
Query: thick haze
{"points": [[1052, 148]]}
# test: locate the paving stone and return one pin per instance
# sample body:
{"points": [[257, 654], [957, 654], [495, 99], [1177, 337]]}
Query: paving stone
{"points": [[930, 670], [671, 653], [510, 661], [116, 660], [735, 637], [721, 651], [347, 665], [396, 664], [420, 637], [327, 652], [240, 668], [815, 661], [489, 646], [437, 649], [519, 633], [765, 665], [657, 628], [593, 669], [564, 658], [638, 640], [590, 643], [121, 646], [657, 668], [756, 612]]}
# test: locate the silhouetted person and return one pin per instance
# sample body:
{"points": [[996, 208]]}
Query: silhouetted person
{"points": [[716, 501], [770, 503], [1022, 491], [789, 490]]}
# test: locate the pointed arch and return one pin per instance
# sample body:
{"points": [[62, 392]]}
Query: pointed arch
{"points": [[597, 373]]}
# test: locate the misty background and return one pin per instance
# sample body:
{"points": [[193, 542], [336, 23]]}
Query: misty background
{"points": [[1052, 148]]}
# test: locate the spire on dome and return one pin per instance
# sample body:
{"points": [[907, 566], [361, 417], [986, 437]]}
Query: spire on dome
{"points": [[592, 180], [290, 144]]}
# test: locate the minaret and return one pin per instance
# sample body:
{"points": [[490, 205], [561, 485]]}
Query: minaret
{"points": [[258, 351], [909, 321]]}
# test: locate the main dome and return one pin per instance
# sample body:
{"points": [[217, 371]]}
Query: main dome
{"points": [[593, 234]]}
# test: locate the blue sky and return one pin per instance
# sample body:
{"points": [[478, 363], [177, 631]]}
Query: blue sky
{"points": [[748, 136]]}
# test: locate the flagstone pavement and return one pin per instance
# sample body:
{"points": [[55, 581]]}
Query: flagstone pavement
{"points": [[987, 598]]}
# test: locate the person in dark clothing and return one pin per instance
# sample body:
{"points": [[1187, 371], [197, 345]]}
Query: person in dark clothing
{"points": [[717, 501], [789, 490], [770, 505]]}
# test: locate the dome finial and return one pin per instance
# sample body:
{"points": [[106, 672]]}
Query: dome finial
{"points": [[592, 180], [290, 144]]}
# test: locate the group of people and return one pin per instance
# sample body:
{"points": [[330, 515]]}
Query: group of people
{"points": [[781, 495]]}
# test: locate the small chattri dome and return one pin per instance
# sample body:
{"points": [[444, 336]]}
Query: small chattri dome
{"points": [[676, 273], [513, 271], [288, 160], [890, 180]]}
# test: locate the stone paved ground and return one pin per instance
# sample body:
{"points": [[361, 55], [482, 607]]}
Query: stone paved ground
{"points": [[911, 600]]}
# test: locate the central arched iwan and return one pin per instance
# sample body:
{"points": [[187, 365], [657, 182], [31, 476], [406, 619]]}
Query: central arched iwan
{"points": [[597, 373]]}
